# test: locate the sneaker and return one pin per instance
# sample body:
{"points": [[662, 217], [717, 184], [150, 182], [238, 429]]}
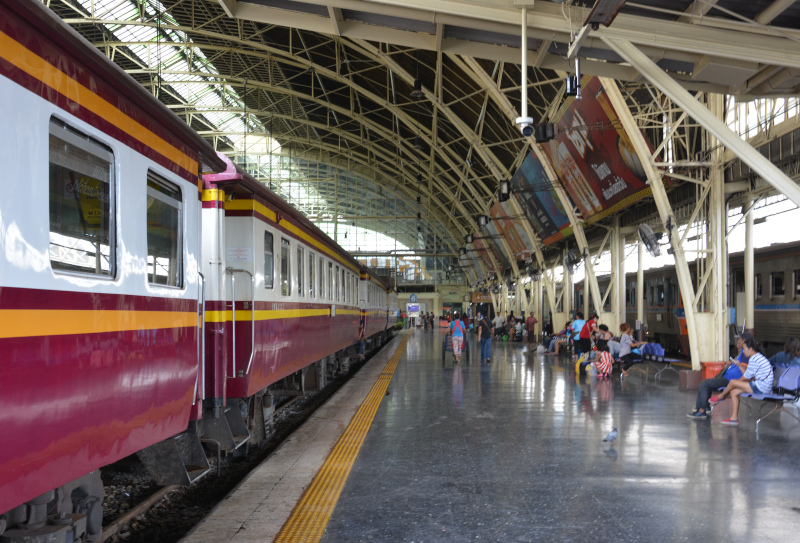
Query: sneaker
{"points": [[698, 415], [729, 422], [715, 401]]}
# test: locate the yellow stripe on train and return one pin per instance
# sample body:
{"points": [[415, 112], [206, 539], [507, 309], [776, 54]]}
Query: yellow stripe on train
{"points": [[64, 322]]}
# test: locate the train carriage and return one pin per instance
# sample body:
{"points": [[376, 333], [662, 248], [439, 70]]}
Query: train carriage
{"points": [[145, 309], [99, 284]]}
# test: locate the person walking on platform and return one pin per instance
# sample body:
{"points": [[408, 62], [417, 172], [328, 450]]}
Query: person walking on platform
{"points": [[485, 338], [530, 326], [732, 371], [457, 329]]}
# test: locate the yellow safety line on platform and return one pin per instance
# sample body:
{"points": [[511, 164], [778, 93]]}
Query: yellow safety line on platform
{"points": [[311, 514]]}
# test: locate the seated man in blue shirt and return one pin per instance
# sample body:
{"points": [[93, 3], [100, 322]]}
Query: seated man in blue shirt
{"points": [[733, 370]]}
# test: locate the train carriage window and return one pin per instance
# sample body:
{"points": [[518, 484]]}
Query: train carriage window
{"points": [[82, 211], [164, 233], [758, 285], [338, 282], [269, 260], [660, 295], [777, 288], [286, 268], [342, 287], [330, 281], [301, 258], [311, 284], [796, 279], [321, 274]]}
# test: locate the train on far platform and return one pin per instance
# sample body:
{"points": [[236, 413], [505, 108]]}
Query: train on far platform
{"points": [[154, 298], [777, 299]]}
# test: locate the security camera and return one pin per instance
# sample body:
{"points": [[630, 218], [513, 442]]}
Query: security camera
{"points": [[525, 125]]}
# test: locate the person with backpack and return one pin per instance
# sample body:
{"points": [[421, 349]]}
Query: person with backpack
{"points": [[459, 333], [485, 337]]}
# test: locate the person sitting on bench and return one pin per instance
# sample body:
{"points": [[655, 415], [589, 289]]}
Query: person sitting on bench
{"points": [[732, 371], [626, 355], [756, 380]]}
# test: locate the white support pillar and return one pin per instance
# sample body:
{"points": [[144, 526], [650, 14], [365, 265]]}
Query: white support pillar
{"points": [[717, 348], [640, 291], [664, 211], [749, 271], [707, 119], [612, 318]]}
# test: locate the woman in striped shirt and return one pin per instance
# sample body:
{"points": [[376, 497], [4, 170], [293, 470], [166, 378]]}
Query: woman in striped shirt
{"points": [[757, 379]]}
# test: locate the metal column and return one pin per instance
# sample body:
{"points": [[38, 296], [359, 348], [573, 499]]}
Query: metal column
{"points": [[664, 211], [749, 270], [640, 291]]}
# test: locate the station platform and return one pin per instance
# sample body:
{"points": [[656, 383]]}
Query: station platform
{"points": [[513, 451]]}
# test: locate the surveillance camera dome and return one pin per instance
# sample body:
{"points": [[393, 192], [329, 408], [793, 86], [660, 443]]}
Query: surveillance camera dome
{"points": [[525, 125]]}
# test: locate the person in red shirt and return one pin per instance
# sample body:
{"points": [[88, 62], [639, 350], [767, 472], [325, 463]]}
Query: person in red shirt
{"points": [[530, 326], [585, 335]]}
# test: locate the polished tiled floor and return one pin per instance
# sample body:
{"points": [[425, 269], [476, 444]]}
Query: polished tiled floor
{"points": [[513, 451]]}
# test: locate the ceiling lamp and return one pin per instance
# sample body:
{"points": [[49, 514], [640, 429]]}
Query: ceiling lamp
{"points": [[417, 92], [462, 251], [468, 238], [503, 191], [418, 143], [483, 220]]}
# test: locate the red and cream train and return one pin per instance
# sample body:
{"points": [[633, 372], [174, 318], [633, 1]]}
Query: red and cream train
{"points": [[144, 308]]}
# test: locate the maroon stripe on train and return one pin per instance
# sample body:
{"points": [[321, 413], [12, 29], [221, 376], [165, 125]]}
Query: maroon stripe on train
{"points": [[213, 204], [33, 299]]}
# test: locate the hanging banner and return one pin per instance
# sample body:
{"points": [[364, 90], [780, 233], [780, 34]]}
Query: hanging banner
{"points": [[495, 244], [512, 230], [533, 191], [593, 155], [482, 251]]}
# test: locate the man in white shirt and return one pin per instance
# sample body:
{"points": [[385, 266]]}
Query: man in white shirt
{"points": [[498, 325]]}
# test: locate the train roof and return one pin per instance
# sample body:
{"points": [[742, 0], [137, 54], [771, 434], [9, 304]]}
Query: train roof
{"points": [[71, 43], [239, 184]]}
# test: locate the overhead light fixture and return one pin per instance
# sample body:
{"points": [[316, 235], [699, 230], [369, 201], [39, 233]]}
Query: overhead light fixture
{"points": [[483, 220], [419, 215], [417, 92], [604, 12], [419, 199], [418, 143], [462, 251], [450, 268], [419, 177], [571, 85], [468, 238], [503, 191]]}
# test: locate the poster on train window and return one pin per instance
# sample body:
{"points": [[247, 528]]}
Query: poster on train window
{"points": [[533, 191], [511, 228], [593, 156]]}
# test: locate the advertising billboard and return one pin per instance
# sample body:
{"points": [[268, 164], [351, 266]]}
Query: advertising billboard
{"points": [[538, 199], [593, 156], [512, 230]]}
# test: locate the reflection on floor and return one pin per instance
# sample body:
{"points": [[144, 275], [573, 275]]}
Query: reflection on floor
{"points": [[513, 451]]}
